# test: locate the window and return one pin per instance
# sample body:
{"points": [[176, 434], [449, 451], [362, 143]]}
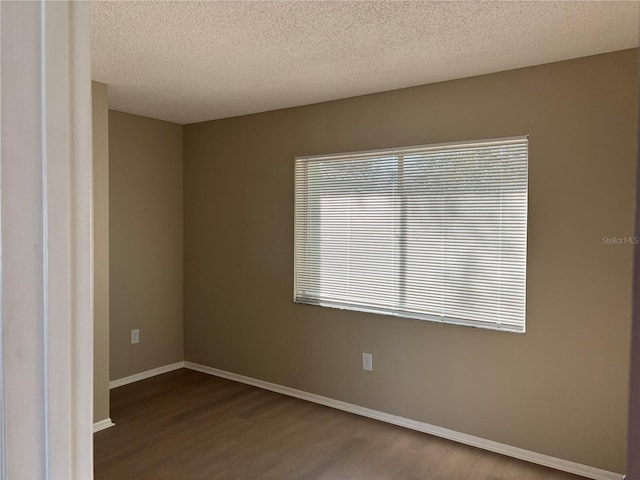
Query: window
{"points": [[435, 232]]}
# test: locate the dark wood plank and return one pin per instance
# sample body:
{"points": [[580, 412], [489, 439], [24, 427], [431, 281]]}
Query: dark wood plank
{"points": [[188, 425]]}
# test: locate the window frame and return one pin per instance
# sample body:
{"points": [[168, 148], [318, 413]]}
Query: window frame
{"points": [[400, 152]]}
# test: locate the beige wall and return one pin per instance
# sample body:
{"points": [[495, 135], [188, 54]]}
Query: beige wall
{"points": [[561, 388], [100, 251], [145, 235]]}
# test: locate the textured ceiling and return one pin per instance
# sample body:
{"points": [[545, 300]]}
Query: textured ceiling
{"points": [[193, 61]]}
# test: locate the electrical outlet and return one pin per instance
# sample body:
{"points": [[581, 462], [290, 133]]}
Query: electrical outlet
{"points": [[135, 336], [367, 361]]}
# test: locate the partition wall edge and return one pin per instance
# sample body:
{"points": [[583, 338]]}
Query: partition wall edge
{"points": [[633, 433]]}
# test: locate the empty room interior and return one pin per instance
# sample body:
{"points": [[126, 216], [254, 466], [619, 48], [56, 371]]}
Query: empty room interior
{"points": [[363, 240]]}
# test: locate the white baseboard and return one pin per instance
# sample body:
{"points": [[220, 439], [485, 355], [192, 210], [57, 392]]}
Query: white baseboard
{"points": [[102, 424], [515, 452], [146, 374]]}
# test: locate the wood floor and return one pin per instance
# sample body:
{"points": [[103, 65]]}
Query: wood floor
{"points": [[188, 425]]}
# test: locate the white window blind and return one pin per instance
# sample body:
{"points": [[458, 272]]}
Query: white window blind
{"points": [[436, 232]]}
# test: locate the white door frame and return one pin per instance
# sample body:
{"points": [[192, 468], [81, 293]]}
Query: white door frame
{"points": [[46, 291]]}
